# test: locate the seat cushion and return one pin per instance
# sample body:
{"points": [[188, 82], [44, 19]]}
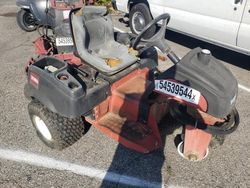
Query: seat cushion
{"points": [[115, 50]]}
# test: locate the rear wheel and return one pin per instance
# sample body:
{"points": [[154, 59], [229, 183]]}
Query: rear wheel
{"points": [[139, 17], [26, 20], [55, 131]]}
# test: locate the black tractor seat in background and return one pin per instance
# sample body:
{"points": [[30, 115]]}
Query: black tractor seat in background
{"points": [[93, 35]]}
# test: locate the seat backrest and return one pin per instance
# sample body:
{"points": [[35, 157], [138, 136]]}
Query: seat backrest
{"points": [[90, 29], [98, 25], [93, 35]]}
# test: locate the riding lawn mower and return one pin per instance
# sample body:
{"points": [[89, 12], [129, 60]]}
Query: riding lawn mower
{"points": [[117, 87], [43, 13]]}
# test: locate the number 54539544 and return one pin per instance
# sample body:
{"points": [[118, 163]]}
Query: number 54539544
{"points": [[177, 90]]}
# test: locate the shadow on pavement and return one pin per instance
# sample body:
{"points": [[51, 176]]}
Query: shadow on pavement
{"points": [[145, 167]]}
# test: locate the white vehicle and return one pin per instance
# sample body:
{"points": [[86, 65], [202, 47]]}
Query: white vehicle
{"points": [[222, 22]]}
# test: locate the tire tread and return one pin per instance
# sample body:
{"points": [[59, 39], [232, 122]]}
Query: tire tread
{"points": [[65, 131]]}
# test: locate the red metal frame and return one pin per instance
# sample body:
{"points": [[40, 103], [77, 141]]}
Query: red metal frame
{"points": [[63, 6], [196, 141], [127, 106], [40, 48]]}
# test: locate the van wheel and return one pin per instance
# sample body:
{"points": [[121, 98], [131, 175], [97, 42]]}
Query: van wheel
{"points": [[56, 131], [26, 20], [139, 17]]}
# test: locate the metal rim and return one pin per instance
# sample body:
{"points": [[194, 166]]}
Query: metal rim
{"points": [[138, 22], [42, 128], [29, 20], [180, 152]]}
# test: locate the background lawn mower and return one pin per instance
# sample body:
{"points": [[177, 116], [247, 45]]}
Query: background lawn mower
{"points": [[118, 89], [34, 13], [51, 19]]}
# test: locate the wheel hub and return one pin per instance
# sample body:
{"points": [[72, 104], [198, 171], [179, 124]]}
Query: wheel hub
{"points": [[29, 20], [138, 22], [42, 128]]}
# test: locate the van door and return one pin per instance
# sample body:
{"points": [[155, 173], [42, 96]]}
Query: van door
{"points": [[216, 21], [244, 31]]}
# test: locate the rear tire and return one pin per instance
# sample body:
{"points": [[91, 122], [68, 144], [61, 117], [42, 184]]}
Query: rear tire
{"points": [[139, 17], [56, 131], [26, 20]]}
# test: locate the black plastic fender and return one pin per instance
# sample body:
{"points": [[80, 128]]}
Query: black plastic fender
{"points": [[70, 97], [24, 4], [38, 9], [210, 77]]}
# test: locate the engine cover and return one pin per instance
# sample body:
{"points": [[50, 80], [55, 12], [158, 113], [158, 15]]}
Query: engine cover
{"points": [[201, 71]]}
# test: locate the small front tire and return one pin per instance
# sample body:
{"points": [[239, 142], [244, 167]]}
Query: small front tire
{"points": [[26, 20], [56, 131]]}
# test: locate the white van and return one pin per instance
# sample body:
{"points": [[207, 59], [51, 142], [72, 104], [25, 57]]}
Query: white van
{"points": [[222, 22]]}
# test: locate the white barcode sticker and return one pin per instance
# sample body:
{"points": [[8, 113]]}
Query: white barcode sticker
{"points": [[178, 90], [66, 14], [64, 41]]}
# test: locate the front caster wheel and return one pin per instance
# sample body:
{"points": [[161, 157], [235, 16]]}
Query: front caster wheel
{"points": [[56, 131]]}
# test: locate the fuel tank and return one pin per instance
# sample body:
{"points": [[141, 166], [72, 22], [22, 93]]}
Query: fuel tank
{"points": [[203, 72]]}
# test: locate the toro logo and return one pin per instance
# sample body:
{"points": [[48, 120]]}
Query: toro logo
{"points": [[34, 80]]}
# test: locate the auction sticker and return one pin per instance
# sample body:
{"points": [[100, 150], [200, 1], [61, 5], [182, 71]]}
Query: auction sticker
{"points": [[66, 14], [64, 41], [178, 90]]}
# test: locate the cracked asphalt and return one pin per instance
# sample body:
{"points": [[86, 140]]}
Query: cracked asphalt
{"points": [[226, 166]]}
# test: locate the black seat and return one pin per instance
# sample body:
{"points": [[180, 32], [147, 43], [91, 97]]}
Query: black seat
{"points": [[93, 34]]}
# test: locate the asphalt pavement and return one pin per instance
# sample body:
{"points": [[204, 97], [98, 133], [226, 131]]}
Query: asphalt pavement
{"points": [[96, 160]]}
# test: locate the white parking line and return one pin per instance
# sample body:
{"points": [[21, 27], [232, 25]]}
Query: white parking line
{"points": [[51, 163], [244, 88]]}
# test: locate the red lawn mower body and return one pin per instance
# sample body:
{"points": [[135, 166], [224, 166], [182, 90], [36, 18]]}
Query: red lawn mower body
{"points": [[132, 103]]}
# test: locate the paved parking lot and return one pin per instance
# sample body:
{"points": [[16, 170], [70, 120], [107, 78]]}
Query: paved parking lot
{"points": [[96, 160]]}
